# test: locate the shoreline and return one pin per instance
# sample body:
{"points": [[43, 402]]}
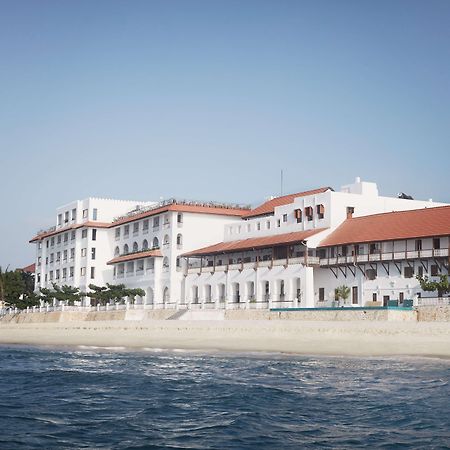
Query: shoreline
{"points": [[425, 339]]}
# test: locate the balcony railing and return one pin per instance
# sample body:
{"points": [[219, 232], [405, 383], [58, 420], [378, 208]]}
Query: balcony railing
{"points": [[197, 267], [390, 256]]}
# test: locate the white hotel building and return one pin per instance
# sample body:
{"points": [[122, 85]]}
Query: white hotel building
{"points": [[291, 251]]}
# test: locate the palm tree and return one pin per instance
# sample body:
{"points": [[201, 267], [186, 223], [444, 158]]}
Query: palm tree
{"points": [[342, 292]]}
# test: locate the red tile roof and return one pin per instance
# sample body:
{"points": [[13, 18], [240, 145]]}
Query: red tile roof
{"points": [[29, 269], [418, 223], [255, 243], [269, 206], [183, 208], [133, 256], [44, 235]]}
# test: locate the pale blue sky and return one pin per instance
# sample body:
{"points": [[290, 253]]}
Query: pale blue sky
{"points": [[210, 99]]}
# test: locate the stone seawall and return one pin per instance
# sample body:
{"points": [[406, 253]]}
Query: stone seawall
{"points": [[86, 316], [433, 313], [344, 315]]}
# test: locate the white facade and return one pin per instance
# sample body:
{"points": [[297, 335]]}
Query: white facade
{"points": [[75, 250], [260, 279], [144, 248]]}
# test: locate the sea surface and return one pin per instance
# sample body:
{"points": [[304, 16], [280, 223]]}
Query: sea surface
{"points": [[88, 397]]}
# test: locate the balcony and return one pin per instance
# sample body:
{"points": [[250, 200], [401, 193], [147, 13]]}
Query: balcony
{"points": [[197, 267], [390, 256]]}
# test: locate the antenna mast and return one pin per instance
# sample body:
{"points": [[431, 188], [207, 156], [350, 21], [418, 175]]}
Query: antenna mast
{"points": [[281, 183]]}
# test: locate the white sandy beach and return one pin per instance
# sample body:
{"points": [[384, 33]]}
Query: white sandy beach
{"points": [[300, 337]]}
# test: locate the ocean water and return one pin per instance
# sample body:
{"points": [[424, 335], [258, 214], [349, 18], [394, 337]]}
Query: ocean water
{"points": [[113, 398]]}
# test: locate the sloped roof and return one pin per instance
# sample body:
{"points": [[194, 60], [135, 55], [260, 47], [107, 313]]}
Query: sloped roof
{"points": [[182, 208], [255, 243], [133, 256], [417, 223], [29, 269], [268, 207], [75, 226]]}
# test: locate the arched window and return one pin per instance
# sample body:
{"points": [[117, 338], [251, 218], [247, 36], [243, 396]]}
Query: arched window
{"points": [[116, 251], [135, 247], [155, 242], [166, 239], [125, 249], [145, 245], [179, 240]]}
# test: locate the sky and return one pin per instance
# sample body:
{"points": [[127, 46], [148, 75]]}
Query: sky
{"points": [[210, 100]]}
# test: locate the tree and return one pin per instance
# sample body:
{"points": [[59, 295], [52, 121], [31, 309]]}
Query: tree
{"points": [[16, 289], [442, 286], [342, 292], [99, 294]]}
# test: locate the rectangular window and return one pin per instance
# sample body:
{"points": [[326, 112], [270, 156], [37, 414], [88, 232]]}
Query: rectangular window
{"points": [[268, 225], [46, 260], [83, 252], [420, 271], [39, 261], [59, 219], [64, 274], [320, 211], [72, 235], [74, 214], [93, 253], [409, 272], [58, 256], [72, 253], [278, 223], [57, 274], [258, 226], [136, 227], [83, 271], [436, 243], [48, 243], [309, 213], [374, 297], [117, 233], [155, 222], [126, 230], [418, 245], [298, 215], [51, 275], [40, 245], [355, 295], [66, 217], [92, 273], [401, 297], [51, 257], [371, 274], [94, 234], [66, 237], [433, 270], [71, 271], [52, 241], [94, 214], [85, 213], [84, 233], [65, 255], [321, 294], [285, 217], [179, 218], [145, 225]]}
